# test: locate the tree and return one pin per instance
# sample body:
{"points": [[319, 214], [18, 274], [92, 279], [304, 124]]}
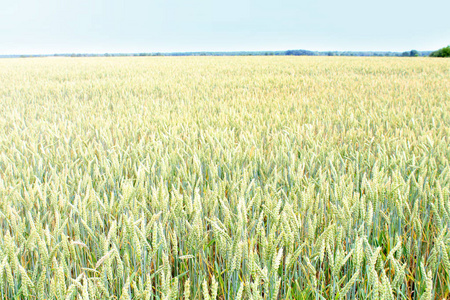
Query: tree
{"points": [[443, 52], [414, 53]]}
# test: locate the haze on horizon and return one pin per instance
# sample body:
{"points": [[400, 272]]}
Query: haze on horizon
{"points": [[118, 26]]}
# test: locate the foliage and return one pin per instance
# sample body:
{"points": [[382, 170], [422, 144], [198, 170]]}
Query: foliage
{"points": [[414, 53], [301, 52], [207, 178], [443, 52]]}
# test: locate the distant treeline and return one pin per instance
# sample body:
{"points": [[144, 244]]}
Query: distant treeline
{"points": [[411, 53], [443, 52]]}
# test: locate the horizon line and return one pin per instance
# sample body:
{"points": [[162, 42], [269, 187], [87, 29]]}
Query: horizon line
{"points": [[155, 53]]}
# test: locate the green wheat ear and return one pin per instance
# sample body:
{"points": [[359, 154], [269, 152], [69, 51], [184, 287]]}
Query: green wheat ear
{"points": [[224, 178]]}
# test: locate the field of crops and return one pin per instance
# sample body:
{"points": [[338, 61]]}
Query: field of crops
{"points": [[225, 178]]}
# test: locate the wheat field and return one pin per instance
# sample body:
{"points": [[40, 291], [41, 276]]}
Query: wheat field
{"points": [[225, 178]]}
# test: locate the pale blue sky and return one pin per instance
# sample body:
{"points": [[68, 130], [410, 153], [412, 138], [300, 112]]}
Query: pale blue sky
{"points": [[99, 26]]}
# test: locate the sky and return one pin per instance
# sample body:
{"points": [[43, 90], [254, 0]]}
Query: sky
{"points": [[119, 26]]}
